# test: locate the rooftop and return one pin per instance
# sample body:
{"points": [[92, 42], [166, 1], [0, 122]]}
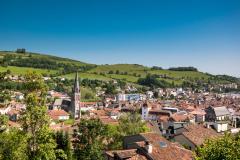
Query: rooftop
{"points": [[197, 134]]}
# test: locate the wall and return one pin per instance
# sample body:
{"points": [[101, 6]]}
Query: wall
{"points": [[184, 141]]}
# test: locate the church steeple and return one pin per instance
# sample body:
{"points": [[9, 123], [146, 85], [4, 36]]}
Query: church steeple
{"points": [[76, 88], [75, 100]]}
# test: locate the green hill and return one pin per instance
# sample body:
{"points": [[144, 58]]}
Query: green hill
{"points": [[28, 55], [45, 64], [48, 65]]}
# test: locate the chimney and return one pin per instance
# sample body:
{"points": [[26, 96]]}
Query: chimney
{"points": [[148, 147], [207, 125], [115, 156]]}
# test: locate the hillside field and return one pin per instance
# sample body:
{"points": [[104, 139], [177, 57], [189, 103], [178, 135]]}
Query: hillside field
{"points": [[129, 73]]}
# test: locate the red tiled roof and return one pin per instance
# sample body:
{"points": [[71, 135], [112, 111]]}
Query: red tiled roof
{"points": [[130, 154], [163, 118], [170, 152], [179, 117], [13, 112], [99, 112], [197, 134], [14, 124], [54, 114], [198, 112], [107, 120]]}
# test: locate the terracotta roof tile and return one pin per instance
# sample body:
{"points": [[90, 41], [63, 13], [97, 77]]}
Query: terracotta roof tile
{"points": [[197, 134], [170, 152], [54, 114]]}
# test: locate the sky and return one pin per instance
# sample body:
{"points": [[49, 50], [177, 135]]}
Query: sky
{"points": [[167, 33]]}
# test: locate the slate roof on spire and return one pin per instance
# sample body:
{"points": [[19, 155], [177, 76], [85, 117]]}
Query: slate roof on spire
{"points": [[76, 84]]}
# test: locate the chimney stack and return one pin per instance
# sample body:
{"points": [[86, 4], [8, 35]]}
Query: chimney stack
{"points": [[148, 147]]}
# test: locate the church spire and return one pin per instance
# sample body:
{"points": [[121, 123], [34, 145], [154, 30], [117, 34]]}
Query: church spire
{"points": [[76, 88], [75, 100]]}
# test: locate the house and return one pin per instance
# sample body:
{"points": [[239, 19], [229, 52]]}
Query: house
{"points": [[158, 114], [176, 122], [57, 104], [13, 114], [149, 146], [171, 109], [130, 97], [220, 126], [87, 106], [153, 112], [214, 114], [19, 96], [149, 94], [60, 95], [199, 115], [58, 114], [182, 117], [60, 103], [218, 118], [194, 135], [4, 110]]}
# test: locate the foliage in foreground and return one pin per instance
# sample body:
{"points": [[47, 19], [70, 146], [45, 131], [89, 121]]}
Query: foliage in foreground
{"points": [[90, 139], [129, 124], [224, 148], [35, 140], [92, 136]]}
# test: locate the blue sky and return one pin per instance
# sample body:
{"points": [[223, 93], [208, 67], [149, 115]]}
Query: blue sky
{"points": [[200, 33]]}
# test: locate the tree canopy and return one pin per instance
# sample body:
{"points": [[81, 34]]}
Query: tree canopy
{"points": [[90, 138], [226, 147]]}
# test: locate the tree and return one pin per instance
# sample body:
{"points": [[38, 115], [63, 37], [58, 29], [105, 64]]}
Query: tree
{"points": [[13, 145], [122, 84], [110, 72], [226, 147], [153, 81], [35, 124], [110, 88], [2, 75], [5, 96], [35, 140], [114, 137], [3, 122], [129, 124], [35, 121], [63, 145], [21, 50], [88, 95], [60, 155], [183, 69], [90, 139], [8, 71], [35, 83], [156, 68]]}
